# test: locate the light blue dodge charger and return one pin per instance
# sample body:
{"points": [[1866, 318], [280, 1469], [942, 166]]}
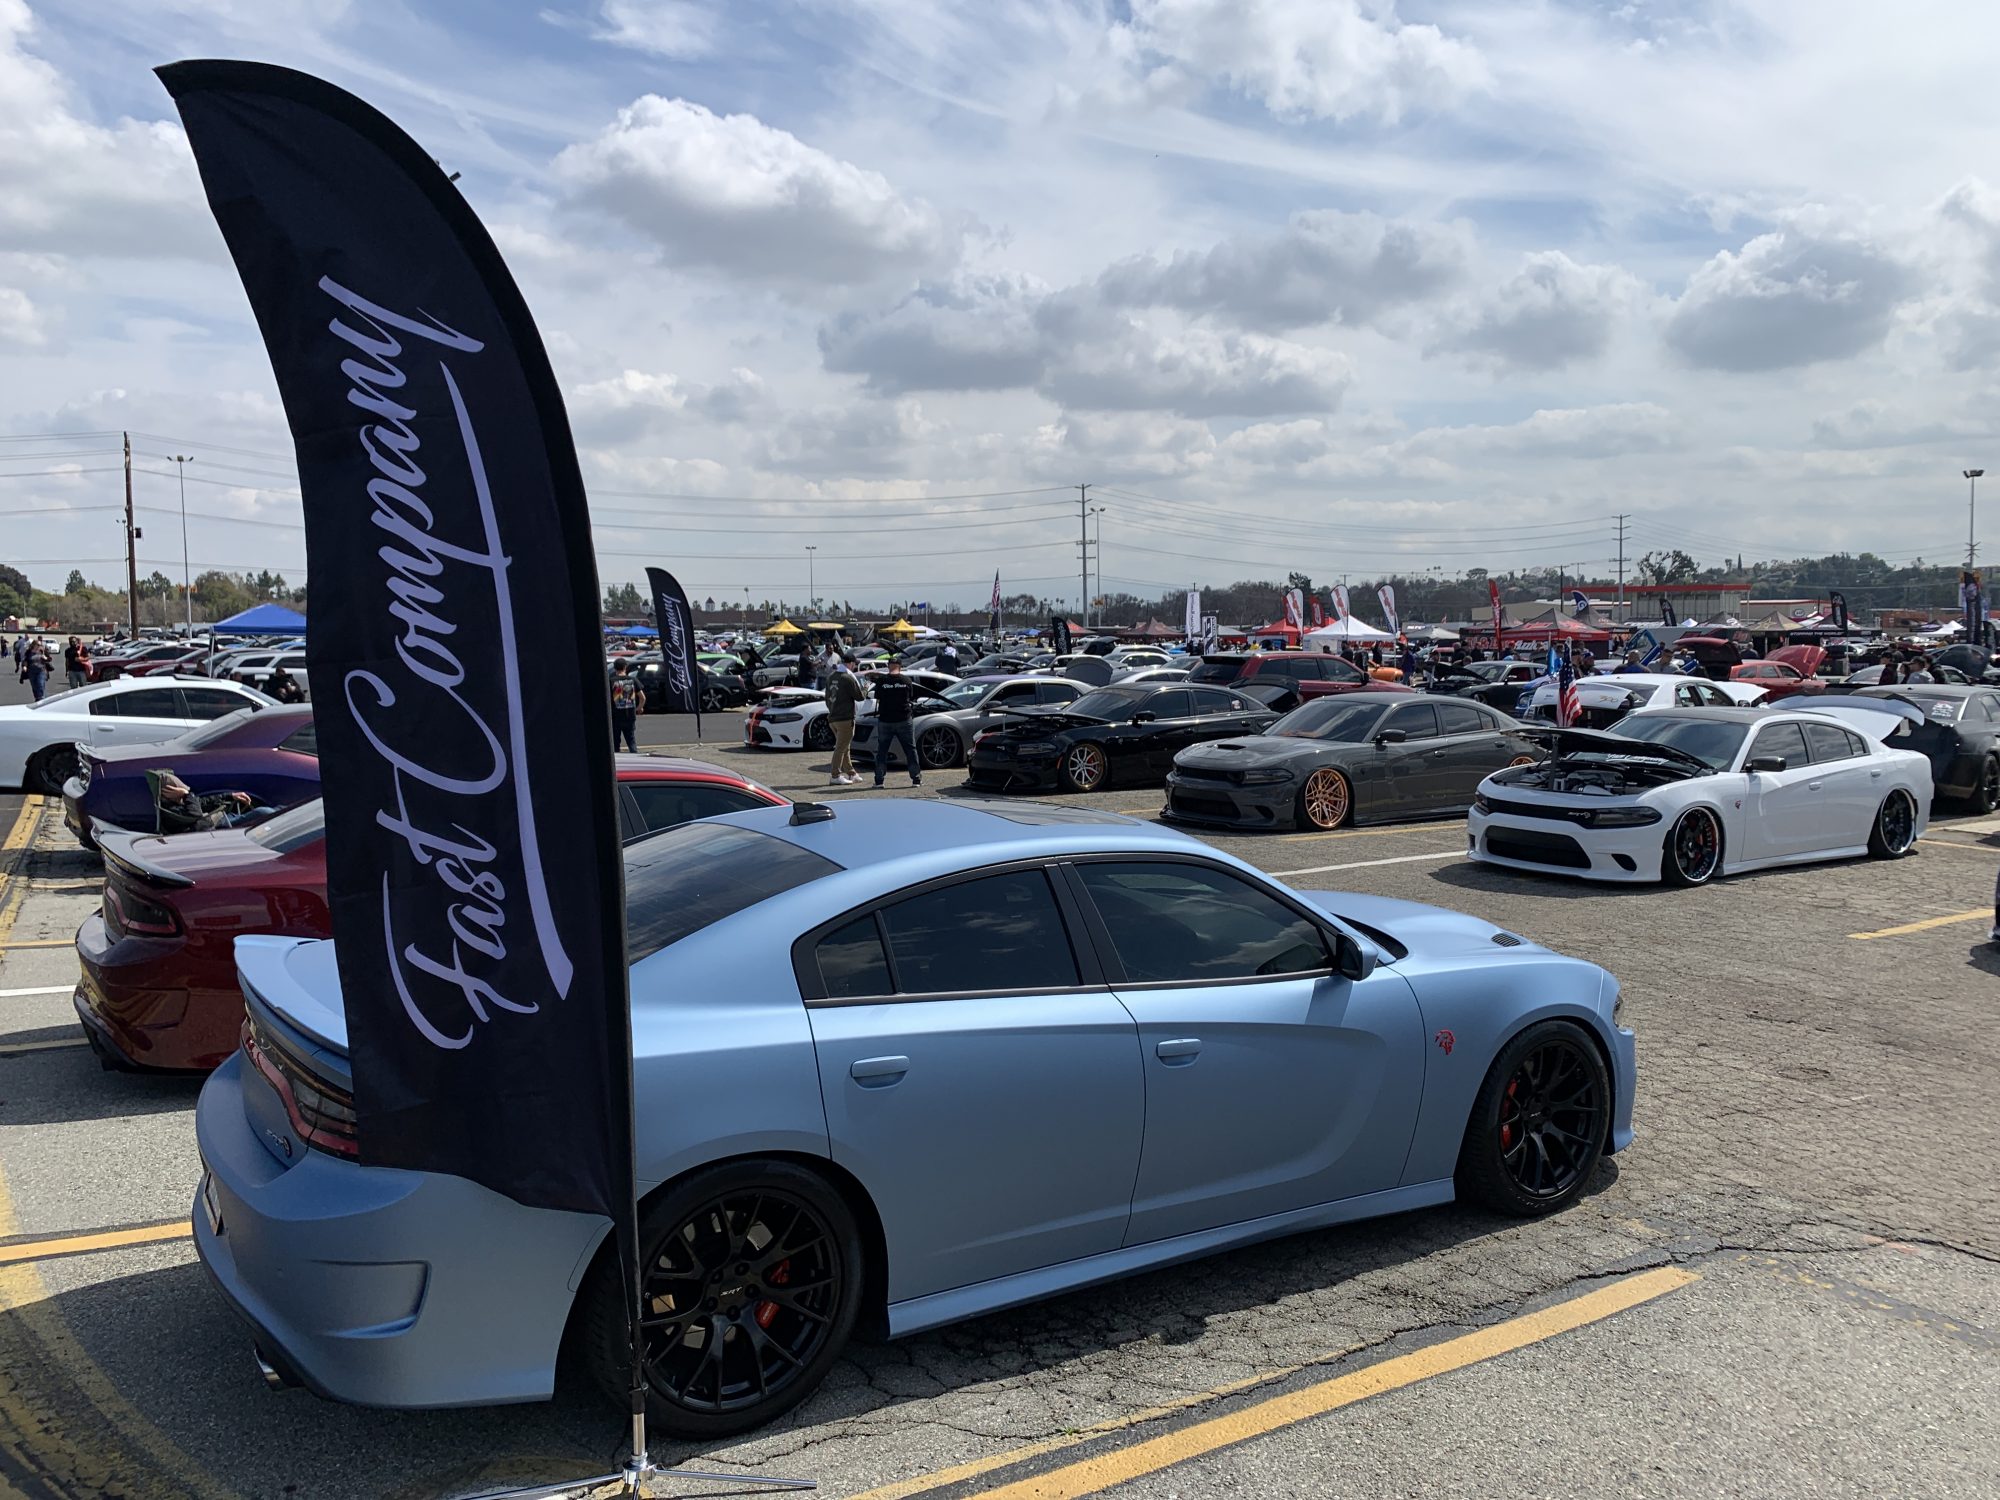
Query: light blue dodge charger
{"points": [[912, 1063]]}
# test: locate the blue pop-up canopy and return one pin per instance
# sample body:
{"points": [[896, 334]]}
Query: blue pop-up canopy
{"points": [[262, 619]]}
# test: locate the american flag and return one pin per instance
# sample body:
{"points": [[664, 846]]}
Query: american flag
{"points": [[1569, 708]]}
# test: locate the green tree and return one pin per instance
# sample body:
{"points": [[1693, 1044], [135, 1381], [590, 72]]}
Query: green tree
{"points": [[76, 585], [623, 599]]}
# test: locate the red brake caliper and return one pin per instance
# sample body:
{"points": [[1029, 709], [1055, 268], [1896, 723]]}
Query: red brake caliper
{"points": [[767, 1312], [1506, 1125]]}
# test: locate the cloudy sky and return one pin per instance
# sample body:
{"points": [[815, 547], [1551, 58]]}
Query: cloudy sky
{"points": [[1342, 285]]}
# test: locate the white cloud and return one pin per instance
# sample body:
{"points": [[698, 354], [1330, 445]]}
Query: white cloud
{"points": [[733, 194], [1550, 313], [80, 188], [1323, 267], [857, 437], [1795, 296], [1612, 431], [678, 29], [1194, 373], [1324, 59], [633, 403], [1116, 444], [972, 333], [20, 321]]}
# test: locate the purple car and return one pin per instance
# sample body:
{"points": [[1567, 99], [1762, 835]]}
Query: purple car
{"points": [[271, 753]]}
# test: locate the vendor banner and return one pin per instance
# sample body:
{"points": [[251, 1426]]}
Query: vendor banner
{"points": [[1499, 616], [1666, 610], [1837, 602], [1316, 613], [455, 655], [1341, 610], [680, 672], [1211, 634], [1191, 620], [1387, 596], [1059, 634], [1295, 608]]}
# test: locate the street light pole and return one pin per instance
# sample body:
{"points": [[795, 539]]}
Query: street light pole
{"points": [[812, 588], [181, 461], [1972, 478], [1098, 547]]}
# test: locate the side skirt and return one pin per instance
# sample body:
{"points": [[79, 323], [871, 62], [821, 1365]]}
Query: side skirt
{"points": [[939, 1308]]}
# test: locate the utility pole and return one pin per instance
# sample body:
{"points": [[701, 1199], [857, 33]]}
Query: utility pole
{"points": [[1972, 478], [1098, 544], [1083, 547], [1622, 518], [181, 461], [131, 548]]}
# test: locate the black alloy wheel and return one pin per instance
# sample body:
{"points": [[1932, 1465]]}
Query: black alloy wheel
{"points": [[1693, 850], [819, 734], [1986, 795], [1895, 832], [939, 749], [1539, 1124], [52, 767], [752, 1282]]}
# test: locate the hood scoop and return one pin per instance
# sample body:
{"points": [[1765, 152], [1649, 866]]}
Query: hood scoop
{"points": [[1508, 940]]}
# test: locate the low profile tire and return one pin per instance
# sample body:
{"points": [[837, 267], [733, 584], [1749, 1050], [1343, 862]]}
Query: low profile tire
{"points": [[1985, 796], [939, 749], [711, 700], [1693, 851], [1895, 830], [1539, 1123], [1326, 800], [1085, 767], [819, 734], [754, 1277], [50, 768]]}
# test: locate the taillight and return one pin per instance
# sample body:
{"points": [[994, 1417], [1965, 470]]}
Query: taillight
{"points": [[321, 1111], [127, 911]]}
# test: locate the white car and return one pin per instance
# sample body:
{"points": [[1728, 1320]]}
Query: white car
{"points": [[794, 718], [38, 740], [1684, 795], [1173, 672], [1607, 699]]}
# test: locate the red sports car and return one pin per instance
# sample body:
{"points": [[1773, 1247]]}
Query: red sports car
{"points": [[1785, 672], [158, 988]]}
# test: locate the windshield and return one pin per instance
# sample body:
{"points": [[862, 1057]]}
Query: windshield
{"points": [[1221, 669], [963, 693], [291, 829], [1113, 705], [1329, 719], [1710, 741], [679, 881]]}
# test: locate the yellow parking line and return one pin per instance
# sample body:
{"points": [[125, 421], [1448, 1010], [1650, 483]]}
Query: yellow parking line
{"points": [[82, 1244], [38, 943], [1955, 844], [8, 1049], [1983, 914], [1089, 1476], [24, 825]]}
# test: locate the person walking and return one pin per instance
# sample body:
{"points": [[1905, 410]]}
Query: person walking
{"points": [[894, 700], [1409, 662], [35, 669], [20, 649], [76, 663], [843, 696], [628, 701]]}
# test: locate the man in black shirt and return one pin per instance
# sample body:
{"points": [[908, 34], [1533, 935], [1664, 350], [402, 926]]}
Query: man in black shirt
{"points": [[894, 698]]}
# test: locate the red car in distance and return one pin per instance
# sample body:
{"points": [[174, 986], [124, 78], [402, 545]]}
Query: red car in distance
{"points": [[1785, 672], [158, 988]]}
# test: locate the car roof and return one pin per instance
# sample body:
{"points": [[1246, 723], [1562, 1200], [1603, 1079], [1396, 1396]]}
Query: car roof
{"points": [[676, 768], [1927, 689], [1752, 714], [973, 832]]}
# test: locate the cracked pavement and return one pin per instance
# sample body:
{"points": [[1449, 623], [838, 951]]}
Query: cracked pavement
{"points": [[1816, 1138]]}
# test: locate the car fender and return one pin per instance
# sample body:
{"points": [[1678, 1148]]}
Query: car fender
{"points": [[1469, 1014]]}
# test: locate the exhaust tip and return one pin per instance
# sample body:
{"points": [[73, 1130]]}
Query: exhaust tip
{"points": [[274, 1379]]}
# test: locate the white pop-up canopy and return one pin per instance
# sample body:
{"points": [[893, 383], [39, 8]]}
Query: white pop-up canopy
{"points": [[1344, 632]]}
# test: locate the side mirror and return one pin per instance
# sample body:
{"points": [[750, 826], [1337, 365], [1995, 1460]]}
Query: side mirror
{"points": [[1391, 737], [1765, 763], [1354, 958], [1144, 716]]}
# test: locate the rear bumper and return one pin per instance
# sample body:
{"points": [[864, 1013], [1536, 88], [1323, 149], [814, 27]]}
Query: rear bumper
{"points": [[127, 997], [377, 1286]]}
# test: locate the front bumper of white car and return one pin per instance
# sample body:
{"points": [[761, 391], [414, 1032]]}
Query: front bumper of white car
{"points": [[774, 730], [1555, 846]]}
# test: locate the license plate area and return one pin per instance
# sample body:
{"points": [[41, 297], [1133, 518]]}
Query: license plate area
{"points": [[211, 1204]]}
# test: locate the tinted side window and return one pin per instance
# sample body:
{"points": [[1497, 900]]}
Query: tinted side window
{"points": [[1055, 692], [208, 703], [1179, 923], [1000, 933], [1336, 669], [1170, 705], [302, 741], [1781, 739], [1287, 667], [146, 703], [1216, 671], [1418, 721], [1216, 701], [1828, 742], [1461, 718], [686, 878], [852, 963], [667, 804]]}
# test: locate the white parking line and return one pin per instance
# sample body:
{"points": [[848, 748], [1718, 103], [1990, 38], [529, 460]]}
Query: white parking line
{"points": [[46, 989], [1363, 864]]}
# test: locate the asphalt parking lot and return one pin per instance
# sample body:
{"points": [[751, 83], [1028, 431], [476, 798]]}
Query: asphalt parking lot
{"points": [[1790, 1285]]}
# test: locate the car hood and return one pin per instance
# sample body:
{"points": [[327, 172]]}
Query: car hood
{"points": [[1257, 750], [1427, 931], [1807, 659]]}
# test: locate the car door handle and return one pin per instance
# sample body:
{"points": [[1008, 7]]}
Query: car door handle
{"points": [[1178, 1052], [1875, 775], [878, 1072], [1812, 786], [1437, 752]]}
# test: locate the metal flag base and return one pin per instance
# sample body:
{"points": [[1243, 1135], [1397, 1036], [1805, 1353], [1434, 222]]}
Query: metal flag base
{"points": [[640, 1476]]}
